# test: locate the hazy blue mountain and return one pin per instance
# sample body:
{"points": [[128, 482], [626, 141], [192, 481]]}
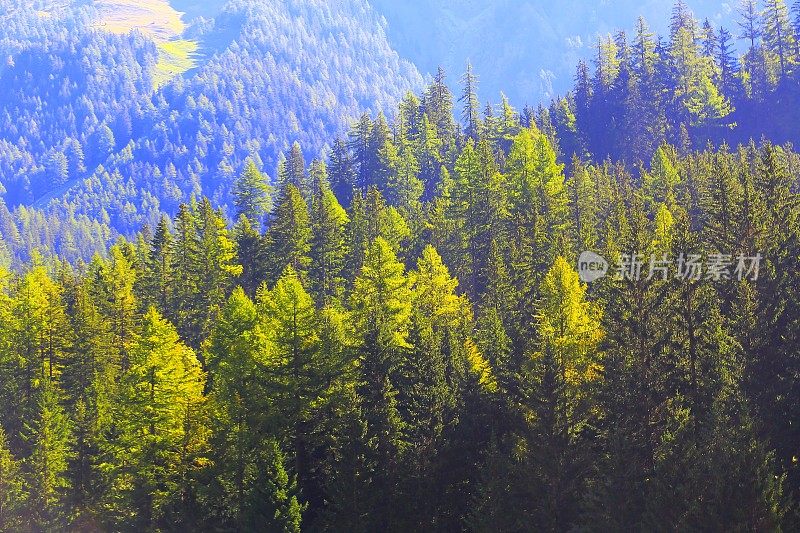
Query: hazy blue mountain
{"points": [[526, 48]]}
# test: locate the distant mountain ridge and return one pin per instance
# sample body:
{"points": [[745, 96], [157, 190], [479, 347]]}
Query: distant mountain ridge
{"points": [[527, 48]]}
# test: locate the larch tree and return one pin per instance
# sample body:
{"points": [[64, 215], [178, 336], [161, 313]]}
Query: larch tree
{"points": [[381, 310], [159, 428]]}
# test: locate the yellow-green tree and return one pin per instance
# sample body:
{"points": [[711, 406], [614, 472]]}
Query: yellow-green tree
{"points": [[160, 431]]}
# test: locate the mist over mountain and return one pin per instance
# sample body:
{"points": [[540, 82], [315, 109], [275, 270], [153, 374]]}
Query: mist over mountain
{"points": [[527, 49]]}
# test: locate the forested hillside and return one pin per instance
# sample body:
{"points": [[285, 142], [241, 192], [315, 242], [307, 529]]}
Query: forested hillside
{"points": [[121, 126], [397, 339]]}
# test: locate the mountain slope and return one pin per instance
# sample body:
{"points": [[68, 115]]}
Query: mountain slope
{"points": [[91, 117]]}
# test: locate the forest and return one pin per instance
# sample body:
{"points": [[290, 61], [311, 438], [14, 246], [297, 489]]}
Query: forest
{"points": [[397, 337]]}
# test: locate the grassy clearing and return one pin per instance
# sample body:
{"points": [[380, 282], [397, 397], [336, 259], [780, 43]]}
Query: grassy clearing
{"points": [[175, 58], [158, 20]]}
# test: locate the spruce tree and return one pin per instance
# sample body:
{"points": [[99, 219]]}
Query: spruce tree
{"points": [[328, 247], [469, 99], [289, 235], [381, 303], [12, 491], [49, 436], [252, 195]]}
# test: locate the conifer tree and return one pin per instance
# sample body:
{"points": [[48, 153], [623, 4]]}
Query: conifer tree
{"points": [[438, 106], [779, 37], [582, 204], [12, 491], [469, 99], [294, 172], [213, 268], [283, 512], [158, 273], [251, 253], [241, 420], [328, 247], [727, 63], [89, 378], [432, 377], [252, 195], [381, 302], [341, 172], [361, 141], [49, 436], [289, 236], [566, 368], [159, 427], [750, 26]]}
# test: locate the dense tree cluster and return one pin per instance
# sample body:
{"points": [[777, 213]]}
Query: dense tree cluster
{"points": [[397, 339], [701, 84]]}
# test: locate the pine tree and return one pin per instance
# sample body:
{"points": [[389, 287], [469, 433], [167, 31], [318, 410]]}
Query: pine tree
{"points": [[252, 195]]}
